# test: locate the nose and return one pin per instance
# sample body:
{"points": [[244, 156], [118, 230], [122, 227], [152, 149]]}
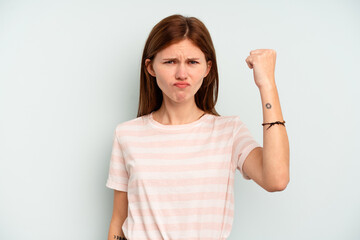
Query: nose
{"points": [[181, 72]]}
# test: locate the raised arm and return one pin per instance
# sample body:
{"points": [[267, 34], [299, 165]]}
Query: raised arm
{"points": [[268, 166]]}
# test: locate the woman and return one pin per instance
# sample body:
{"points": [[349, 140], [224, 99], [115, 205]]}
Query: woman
{"points": [[172, 168]]}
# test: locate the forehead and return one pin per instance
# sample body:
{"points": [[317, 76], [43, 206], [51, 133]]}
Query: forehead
{"points": [[183, 48]]}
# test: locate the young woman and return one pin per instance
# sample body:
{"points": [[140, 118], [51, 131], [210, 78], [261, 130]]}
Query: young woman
{"points": [[172, 168]]}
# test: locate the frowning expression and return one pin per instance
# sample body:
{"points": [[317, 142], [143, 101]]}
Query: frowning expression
{"points": [[179, 70]]}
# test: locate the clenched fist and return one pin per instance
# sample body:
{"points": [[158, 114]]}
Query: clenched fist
{"points": [[262, 61]]}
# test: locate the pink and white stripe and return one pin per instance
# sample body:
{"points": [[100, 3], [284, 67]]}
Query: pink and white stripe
{"points": [[179, 178]]}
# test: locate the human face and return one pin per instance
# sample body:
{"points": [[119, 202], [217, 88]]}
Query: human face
{"points": [[179, 63]]}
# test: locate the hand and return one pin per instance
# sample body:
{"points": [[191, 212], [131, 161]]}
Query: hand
{"points": [[262, 61]]}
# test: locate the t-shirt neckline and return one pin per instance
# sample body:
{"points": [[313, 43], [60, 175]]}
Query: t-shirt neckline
{"points": [[176, 126]]}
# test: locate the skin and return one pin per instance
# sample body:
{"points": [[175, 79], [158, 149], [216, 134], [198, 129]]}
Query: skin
{"points": [[179, 62], [268, 166]]}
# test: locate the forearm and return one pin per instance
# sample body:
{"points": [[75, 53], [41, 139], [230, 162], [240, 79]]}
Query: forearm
{"points": [[275, 141], [115, 231]]}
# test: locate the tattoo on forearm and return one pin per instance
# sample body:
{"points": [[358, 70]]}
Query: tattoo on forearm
{"points": [[119, 237], [268, 105]]}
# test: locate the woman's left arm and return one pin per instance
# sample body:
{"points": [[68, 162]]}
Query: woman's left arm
{"points": [[271, 166]]}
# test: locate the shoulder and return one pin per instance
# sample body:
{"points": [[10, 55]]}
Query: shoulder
{"points": [[226, 118], [233, 120], [130, 125]]}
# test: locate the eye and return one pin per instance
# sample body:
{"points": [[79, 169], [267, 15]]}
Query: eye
{"points": [[193, 62], [169, 62]]}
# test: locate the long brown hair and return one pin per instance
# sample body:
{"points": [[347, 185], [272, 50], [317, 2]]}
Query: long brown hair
{"points": [[173, 29]]}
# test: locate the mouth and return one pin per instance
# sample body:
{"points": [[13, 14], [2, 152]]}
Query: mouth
{"points": [[182, 85]]}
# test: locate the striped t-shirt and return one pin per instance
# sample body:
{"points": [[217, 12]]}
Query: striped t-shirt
{"points": [[179, 178]]}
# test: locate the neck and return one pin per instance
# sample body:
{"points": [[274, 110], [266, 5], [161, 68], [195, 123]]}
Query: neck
{"points": [[177, 113]]}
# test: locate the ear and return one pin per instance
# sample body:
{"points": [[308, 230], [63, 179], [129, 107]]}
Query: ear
{"points": [[209, 64], [149, 67]]}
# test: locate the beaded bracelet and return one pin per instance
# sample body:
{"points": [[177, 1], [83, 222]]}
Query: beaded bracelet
{"points": [[272, 123]]}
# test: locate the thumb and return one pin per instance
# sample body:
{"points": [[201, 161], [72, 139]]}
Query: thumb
{"points": [[249, 62]]}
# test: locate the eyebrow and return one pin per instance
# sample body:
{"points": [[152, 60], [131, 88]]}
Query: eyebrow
{"points": [[169, 59]]}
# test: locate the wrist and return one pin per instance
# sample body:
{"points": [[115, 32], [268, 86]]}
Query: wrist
{"points": [[267, 87]]}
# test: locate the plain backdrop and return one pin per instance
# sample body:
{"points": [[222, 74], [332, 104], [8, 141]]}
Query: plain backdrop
{"points": [[69, 73]]}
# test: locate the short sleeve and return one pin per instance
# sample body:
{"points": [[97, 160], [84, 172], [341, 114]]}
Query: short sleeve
{"points": [[243, 144], [118, 175]]}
